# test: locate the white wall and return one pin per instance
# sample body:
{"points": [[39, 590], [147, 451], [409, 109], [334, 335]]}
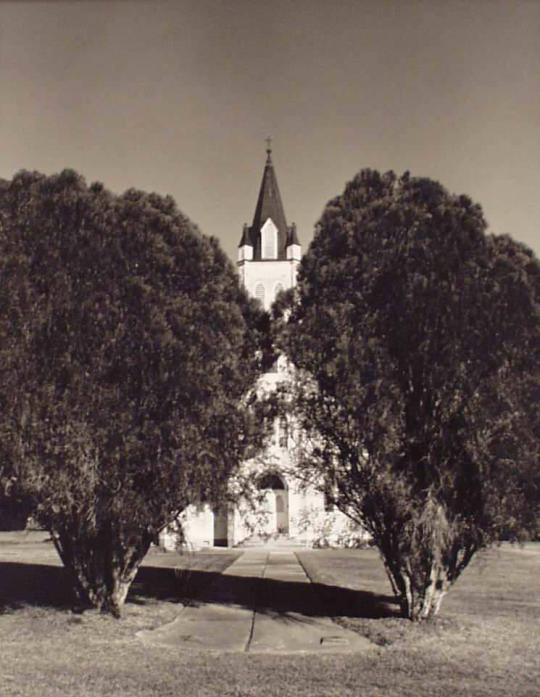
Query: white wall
{"points": [[270, 274]]}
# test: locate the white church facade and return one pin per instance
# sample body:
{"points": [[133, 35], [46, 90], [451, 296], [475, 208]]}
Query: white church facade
{"points": [[269, 254]]}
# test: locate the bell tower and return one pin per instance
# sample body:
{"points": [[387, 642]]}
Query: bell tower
{"points": [[269, 251]]}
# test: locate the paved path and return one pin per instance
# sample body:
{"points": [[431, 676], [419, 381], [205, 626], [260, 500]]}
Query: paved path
{"points": [[262, 603]]}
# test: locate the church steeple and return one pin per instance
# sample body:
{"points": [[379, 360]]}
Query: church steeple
{"points": [[269, 235]]}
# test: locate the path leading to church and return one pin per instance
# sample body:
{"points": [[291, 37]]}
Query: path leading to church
{"points": [[262, 603]]}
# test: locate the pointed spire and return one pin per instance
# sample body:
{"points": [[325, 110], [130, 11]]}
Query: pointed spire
{"points": [[269, 205], [292, 236], [246, 238]]}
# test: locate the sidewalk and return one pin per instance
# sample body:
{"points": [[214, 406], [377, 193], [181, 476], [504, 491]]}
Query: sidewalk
{"points": [[262, 603]]}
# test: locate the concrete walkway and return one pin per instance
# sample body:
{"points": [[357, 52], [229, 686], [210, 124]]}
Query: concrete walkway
{"points": [[262, 603]]}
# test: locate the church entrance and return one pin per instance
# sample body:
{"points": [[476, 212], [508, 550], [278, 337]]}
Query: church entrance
{"points": [[276, 503], [221, 527]]}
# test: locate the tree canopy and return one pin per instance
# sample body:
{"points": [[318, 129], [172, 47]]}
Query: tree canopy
{"points": [[417, 341], [128, 354]]}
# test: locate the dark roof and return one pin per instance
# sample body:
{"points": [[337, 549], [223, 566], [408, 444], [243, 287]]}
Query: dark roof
{"points": [[269, 205]]}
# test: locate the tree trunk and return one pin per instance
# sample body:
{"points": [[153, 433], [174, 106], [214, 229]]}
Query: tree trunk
{"points": [[102, 565], [420, 599]]}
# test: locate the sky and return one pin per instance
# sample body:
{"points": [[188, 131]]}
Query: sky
{"points": [[178, 97]]}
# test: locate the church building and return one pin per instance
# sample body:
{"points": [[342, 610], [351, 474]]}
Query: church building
{"points": [[269, 254]]}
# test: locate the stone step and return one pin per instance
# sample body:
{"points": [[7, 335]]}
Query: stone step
{"points": [[281, 541]]}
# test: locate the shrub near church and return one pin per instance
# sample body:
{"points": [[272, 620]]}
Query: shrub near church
{"points": [[417, 342], [128, 352]]}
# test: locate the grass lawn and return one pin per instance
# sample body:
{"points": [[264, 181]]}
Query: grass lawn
{"points": [[486, 643]]}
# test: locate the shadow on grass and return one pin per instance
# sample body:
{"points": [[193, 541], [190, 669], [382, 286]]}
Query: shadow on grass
{"points": [[48, 586], [311, 599], [34, 584]]}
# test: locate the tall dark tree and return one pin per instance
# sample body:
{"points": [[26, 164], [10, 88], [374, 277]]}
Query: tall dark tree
{"points": [[128, 354], [417, 342]]}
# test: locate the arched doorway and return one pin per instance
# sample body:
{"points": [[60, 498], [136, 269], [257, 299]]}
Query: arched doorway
{"points": [[277, 502]]}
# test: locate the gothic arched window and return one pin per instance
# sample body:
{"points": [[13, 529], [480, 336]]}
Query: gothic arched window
{"points": [[269, 238], [259, 292], [277, 290], [283, 432]]}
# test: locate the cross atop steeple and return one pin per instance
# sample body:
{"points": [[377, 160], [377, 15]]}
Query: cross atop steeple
{"points": [[268, 150]]}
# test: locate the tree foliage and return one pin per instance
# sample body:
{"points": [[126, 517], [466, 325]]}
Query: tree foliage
{"points": [[128, 354], [417, 339]]}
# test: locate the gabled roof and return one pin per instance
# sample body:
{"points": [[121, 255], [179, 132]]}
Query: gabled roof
{"points": [[269, 205]]}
